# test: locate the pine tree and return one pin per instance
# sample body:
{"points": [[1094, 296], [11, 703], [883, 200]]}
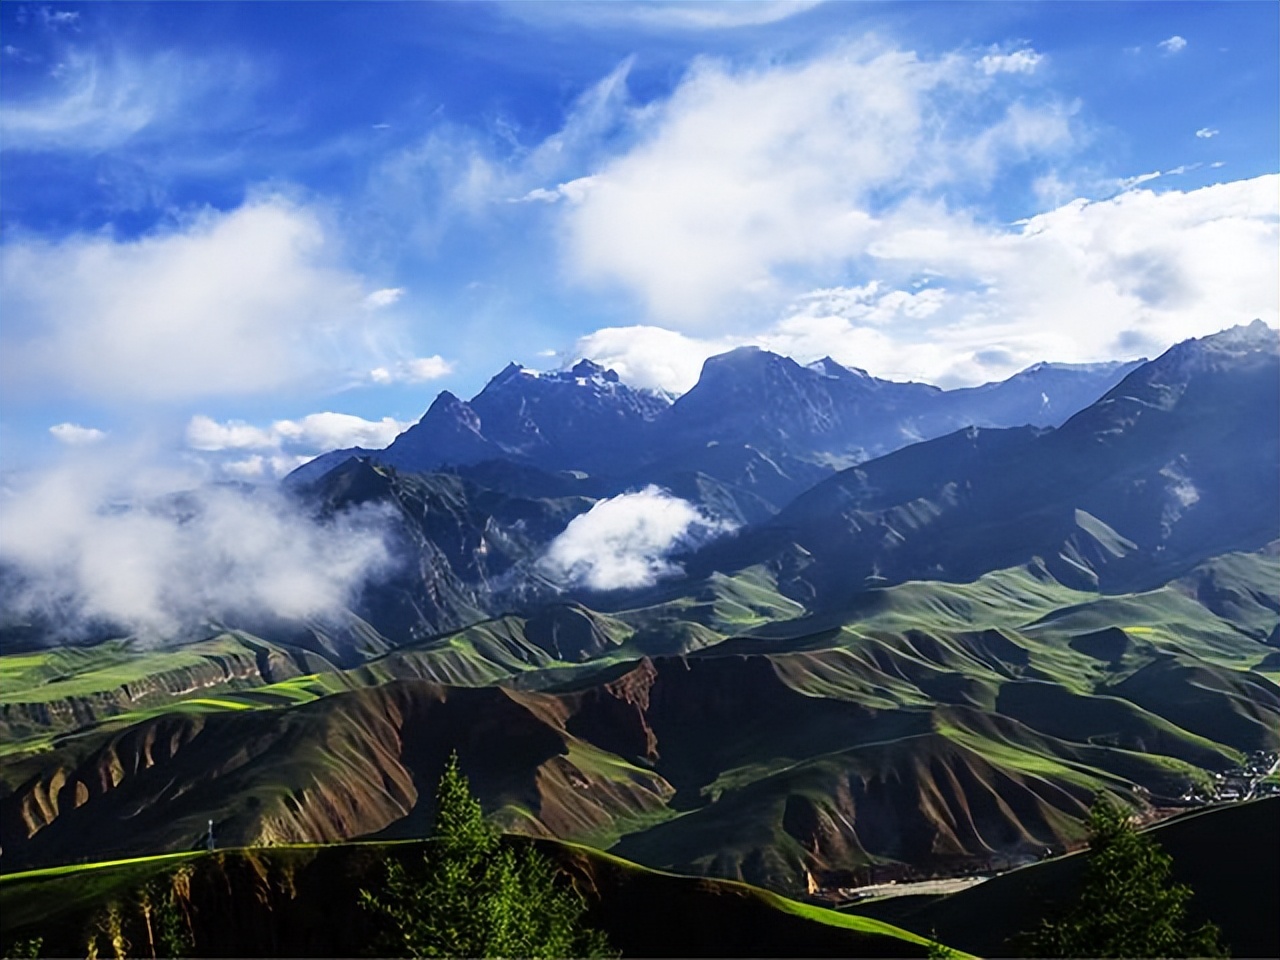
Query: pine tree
{"points": [[1127, 905], [473, 896]]}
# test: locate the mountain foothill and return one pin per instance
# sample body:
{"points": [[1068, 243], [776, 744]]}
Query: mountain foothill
{"points": [[926, 629]]}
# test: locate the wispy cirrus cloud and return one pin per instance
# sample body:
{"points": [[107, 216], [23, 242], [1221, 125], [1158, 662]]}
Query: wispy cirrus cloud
{"points": [[699, 15], [100, 99]]}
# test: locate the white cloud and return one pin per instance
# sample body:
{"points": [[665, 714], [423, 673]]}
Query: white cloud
{"points": [[416, 370], [1083, 282], [1089, 281], [1174, 44], [651, 357], [690, 16], [205, 433], [625, 542], [840, 322], [574, 191], [383, 298], [314, 433], [258, 467], [1019, 61], [1204, 133], [539, 195], [229, 304], [709, 214], [94, 543], [75, 435], [320, 432]]}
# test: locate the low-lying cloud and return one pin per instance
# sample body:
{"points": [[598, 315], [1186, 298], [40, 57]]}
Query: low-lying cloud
{"points": [[83, 547], [626, 542]]}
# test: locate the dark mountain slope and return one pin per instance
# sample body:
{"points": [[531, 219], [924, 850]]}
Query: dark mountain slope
{"points": [[1177, 463], [1229, 856], [305, 902], [779, 426], [583, 418], [459, 545]]}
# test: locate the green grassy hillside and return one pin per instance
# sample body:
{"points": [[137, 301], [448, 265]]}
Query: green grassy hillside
{"points": [[926, 728], [303, 901]]}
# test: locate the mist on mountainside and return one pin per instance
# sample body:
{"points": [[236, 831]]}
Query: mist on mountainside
{"points": [[92, 548]]}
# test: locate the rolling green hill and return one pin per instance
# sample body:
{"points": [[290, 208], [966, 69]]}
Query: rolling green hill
{"points": [[304, 901], [929, 728]]}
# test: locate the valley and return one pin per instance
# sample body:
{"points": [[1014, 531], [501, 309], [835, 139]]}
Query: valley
{"points": [[924, 665]]}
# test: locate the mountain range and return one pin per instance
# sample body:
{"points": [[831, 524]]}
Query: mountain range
{"points": [[818, 418], [942, 621]]}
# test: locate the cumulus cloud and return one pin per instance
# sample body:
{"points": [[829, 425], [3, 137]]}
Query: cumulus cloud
{"points": [[1065, 284], [1174, 44], [651, 357], [626, 542], [1025, 60], [88, 545], [415, 370], [229, 303], [74, 435], [708, 214], [1204, 133], [573, 191], [1085, 281], [383, 298], [302, 438]]}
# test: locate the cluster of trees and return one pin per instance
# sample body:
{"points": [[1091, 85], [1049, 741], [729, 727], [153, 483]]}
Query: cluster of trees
{"points": [[474, 896], [1127, 904]]}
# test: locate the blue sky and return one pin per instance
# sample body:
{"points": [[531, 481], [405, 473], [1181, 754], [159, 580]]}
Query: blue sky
{"points": [[246, 233]]}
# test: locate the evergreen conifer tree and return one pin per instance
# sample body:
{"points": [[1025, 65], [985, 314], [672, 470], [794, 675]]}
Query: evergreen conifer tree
{"points": [[1127, 905], [476, 897]]}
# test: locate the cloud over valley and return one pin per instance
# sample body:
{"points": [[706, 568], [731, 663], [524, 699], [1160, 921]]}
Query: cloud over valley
{"points": [[87, 545], [626, 542]]}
